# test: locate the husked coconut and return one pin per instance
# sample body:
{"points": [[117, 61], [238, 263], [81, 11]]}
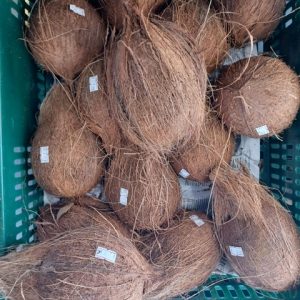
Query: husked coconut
{"points": [[142, 190], [185, 252], [67, 158], [201, 21], [202, 154], [258, 97], [257, 234], [64, 36]]}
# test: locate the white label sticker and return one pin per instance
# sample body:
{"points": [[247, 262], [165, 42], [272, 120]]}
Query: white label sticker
{"points": [[94, 84], [108, 255], [184, 173], [123, 196], [44, 155], [198, 221], [236, 251], [263, 130], [77, 10]]}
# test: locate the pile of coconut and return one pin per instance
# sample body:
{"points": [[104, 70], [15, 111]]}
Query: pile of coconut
{"points": [[132, 109]]}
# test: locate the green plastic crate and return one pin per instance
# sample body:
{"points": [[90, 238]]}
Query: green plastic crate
{"points": [[20, 85], [23, 86]]}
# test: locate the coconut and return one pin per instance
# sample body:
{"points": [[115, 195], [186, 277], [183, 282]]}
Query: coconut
{"points": [[187, 252], [93, 106], [156, 84], [88, 263], [254, 20], [64, 36], [66, 216], [203, 24], [258, 97], [67, 160], [142, 190], [202, 154], [258, 236], [243, 194]]}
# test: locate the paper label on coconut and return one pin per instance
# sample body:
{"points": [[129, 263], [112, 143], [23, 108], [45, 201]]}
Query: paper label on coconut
{"points": [[44, 155], [263, 130], [106, 254], [236, 251], [198, 221], [123, 196], [184, 173], [77, 10], [94, 84]]}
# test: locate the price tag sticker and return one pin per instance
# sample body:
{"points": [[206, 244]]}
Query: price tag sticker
{"points": [[263, 130], [184, 173], [94, 83], [106, 254], [44, 155], [198, 221], [236, 251], [77, 10], [123, 196]]}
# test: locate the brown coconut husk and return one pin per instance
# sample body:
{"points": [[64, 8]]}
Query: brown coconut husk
{"points": [[153, 189], [89, 201], [247, 216], [156, 84], [185, 252], [147, 6], [241, 193], [200, 20], [62, 41], [75, 157], [202, 154], [250, 20], [256, 92], [66, 268], [94, 109], [66, 216], [117, 10], [114, 12]]}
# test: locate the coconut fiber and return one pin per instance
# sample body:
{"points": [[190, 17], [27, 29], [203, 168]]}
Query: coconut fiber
{"points": [[93, 106], [66, 216], [251, 20], [156, 84], [116, 11], [67, 160], [200, 20], [72, 266], [258, 97], [202, 154], [89, 201], [257, 234], [187, 252], [143, 190], [64, 36]]}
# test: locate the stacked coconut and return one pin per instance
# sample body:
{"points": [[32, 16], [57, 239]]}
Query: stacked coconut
{"points": [[130, 108]]}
